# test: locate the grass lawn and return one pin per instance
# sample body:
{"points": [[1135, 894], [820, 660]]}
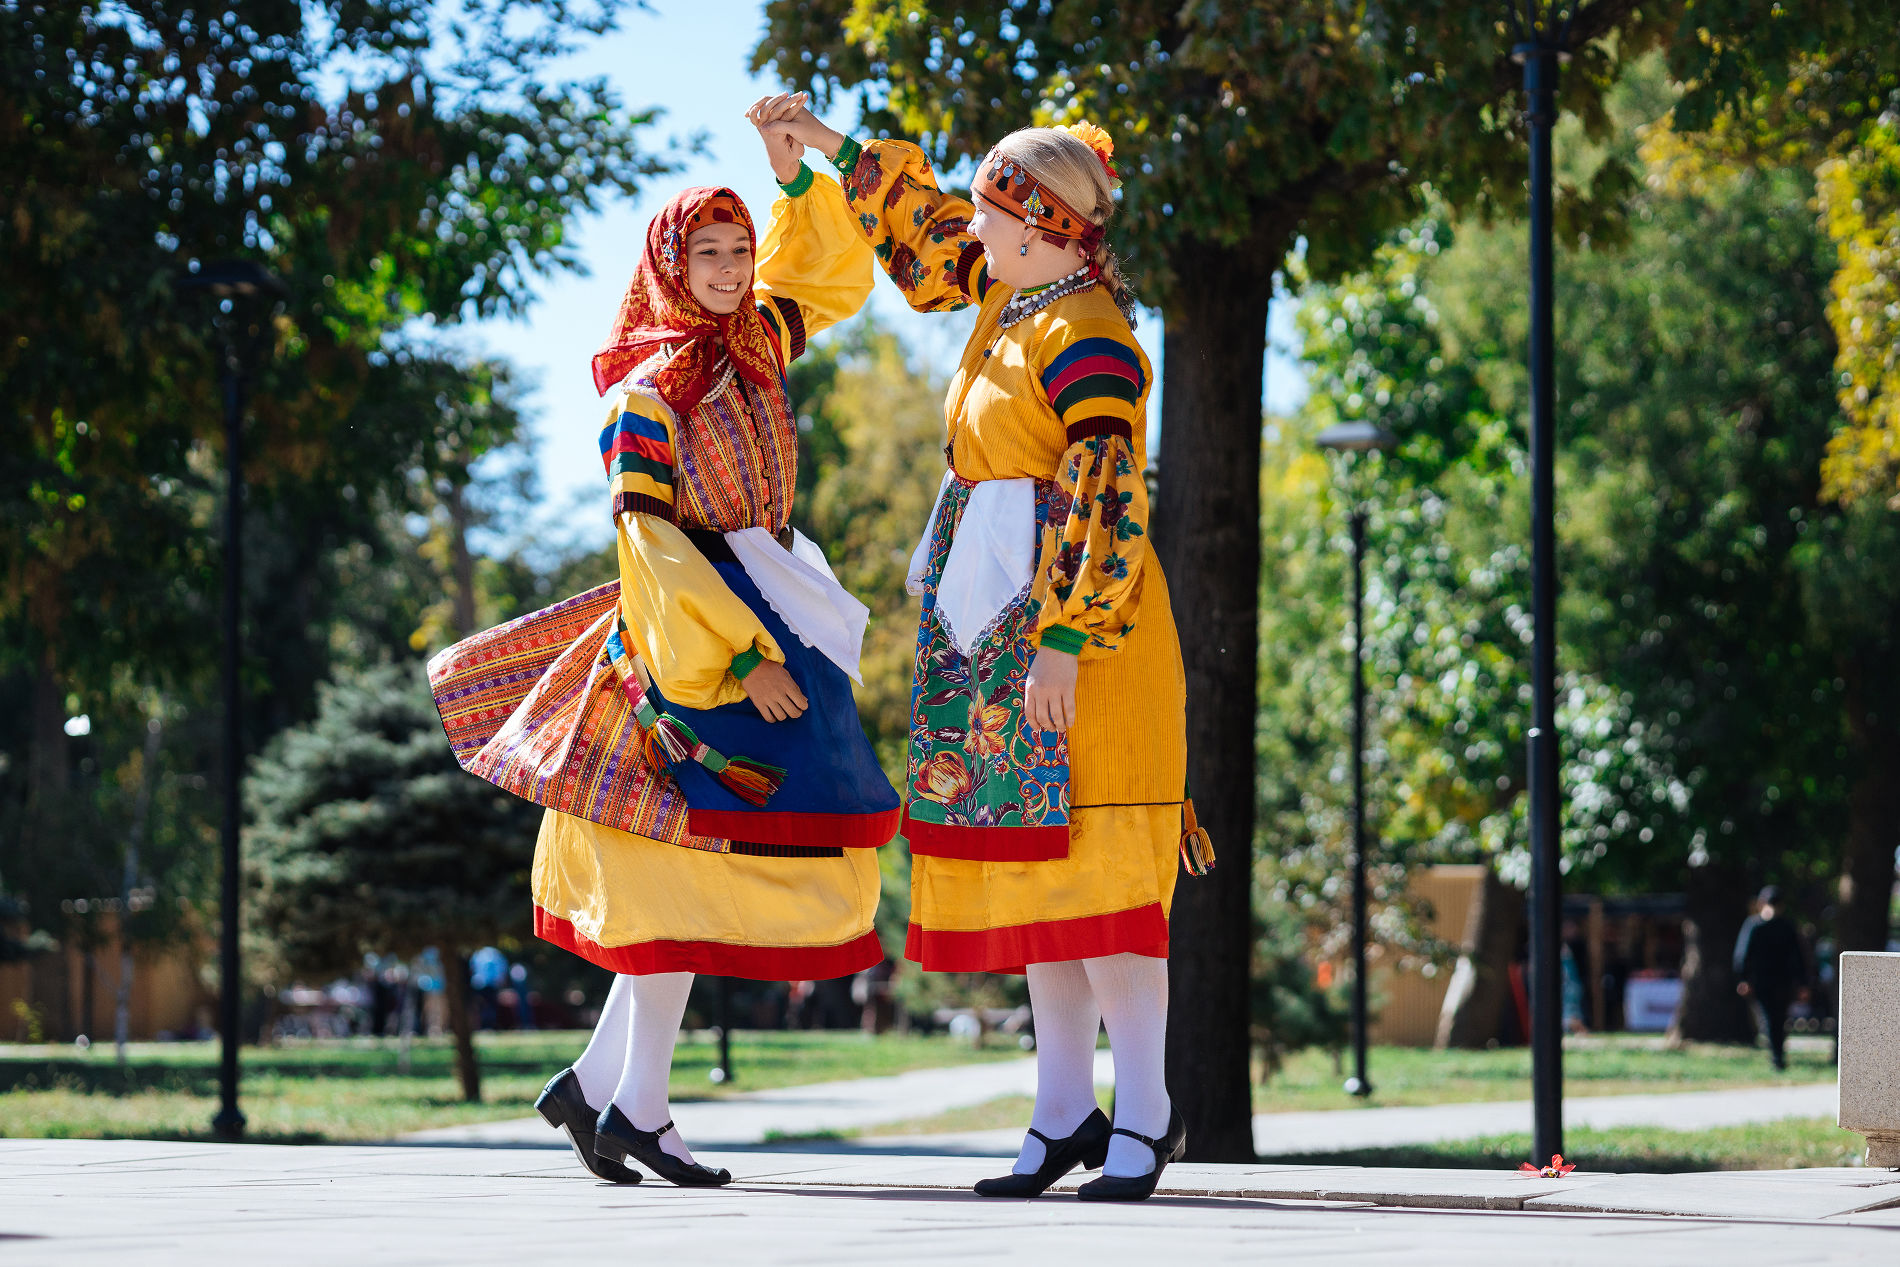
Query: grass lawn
{"points": [[331, 1091], [1606, 1065], [1784, 1145]]}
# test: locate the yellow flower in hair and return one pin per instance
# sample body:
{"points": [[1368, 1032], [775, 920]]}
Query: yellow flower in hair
{"points": [[1093, 137], [1098, 140]]}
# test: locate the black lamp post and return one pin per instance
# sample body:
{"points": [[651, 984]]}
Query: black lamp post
{"points": [[1543, 32], [1358, 437], [244, 292]]}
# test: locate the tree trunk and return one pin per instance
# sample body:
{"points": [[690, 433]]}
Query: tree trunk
{"points": [[1207, 538], [461, 1024], [1481, 983], [1865, 888], [49, 772], [461, 559], [1711, 1012]]}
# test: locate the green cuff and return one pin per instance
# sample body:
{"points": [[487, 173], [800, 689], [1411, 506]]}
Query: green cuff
{"points": [[1064, 639], [746, 661], [846, 159], [799, 183]]}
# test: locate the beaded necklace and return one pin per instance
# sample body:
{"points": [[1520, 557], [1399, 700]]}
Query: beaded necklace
{"points": [[1027, 303]]}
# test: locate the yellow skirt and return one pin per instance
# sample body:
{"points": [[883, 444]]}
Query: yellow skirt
{"points": [[635, 905], [1111, 895]]}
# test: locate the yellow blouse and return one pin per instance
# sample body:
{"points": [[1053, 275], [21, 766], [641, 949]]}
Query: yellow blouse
{"points": [[686, 625], [1061, 395]]}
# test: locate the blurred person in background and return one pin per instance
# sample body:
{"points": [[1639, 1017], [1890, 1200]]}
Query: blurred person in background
{"points": [[1771, 971]]}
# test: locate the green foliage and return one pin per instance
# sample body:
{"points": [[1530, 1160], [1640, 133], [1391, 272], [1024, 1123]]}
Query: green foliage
{"points": [[1859, 196], [1248, 123], [390, 164], [1719, 620], [1290, 1010], [368, 838]]}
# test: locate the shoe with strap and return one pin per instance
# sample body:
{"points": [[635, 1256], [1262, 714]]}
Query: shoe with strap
{"points": [[617, 1139], [1086, 1146], [565, 1108], [1168, 1148]]}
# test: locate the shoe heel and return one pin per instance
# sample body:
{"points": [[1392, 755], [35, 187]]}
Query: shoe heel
{"points": [[550, 1114], [1096, 1159], [604, 1147]]}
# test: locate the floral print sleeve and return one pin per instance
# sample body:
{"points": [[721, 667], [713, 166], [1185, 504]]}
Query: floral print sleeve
{"points": [[1093, 375], [920, 234]]}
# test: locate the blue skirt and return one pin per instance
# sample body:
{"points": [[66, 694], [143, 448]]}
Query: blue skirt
{"points": [[834, 792]]}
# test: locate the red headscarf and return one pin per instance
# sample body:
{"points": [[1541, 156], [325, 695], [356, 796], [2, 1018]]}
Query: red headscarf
{"points": [[659, 308]]}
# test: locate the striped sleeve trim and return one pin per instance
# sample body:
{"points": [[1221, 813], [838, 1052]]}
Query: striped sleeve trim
{"points": [[632, 432], [973, 279], [775, 327], [793, 322], [637, 449], [643, 504], [1100, 368], [1100, 425]]}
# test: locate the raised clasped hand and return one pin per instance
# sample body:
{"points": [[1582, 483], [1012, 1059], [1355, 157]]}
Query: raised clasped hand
{"points": [[774, 116]]}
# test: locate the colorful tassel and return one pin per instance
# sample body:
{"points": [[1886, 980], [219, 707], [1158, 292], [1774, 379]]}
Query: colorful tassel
{"points": [[670, 740], [1197, 847], [751, 781]]}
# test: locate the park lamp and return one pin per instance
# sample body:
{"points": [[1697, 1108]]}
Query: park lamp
{"points": [[1358, 437], [233, 284]]}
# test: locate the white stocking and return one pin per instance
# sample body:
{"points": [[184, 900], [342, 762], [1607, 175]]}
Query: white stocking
{"points": [[1067, 1022], [659, 1004], [1133, 993], [599, 1066]]}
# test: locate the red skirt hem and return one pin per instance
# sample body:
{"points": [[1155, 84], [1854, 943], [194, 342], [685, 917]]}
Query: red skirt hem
{"points": [[720, 959], [986, 844], [764, 827], [1140, 931]]}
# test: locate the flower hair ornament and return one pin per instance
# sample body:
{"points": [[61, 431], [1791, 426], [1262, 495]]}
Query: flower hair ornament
{"points": [[1099, 141]]}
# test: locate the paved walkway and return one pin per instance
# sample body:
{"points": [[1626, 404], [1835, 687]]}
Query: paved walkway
{"points": [[795, 1115], [113, 1202]]}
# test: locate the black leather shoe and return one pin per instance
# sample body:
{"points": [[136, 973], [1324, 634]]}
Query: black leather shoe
{"points": [[1088, 1147], [566, 1109], [1140, 1187], [616, 1139]]}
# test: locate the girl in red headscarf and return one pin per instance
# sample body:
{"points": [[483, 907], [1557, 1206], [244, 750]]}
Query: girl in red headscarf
{"points": [[714, 805]]}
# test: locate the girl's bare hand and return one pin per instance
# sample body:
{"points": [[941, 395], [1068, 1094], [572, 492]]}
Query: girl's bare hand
{"points": [[773, 692], [1049, 695]]}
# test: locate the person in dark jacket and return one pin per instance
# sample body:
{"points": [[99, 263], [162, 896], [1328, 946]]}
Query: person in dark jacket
{"points": [[1770, 970]]}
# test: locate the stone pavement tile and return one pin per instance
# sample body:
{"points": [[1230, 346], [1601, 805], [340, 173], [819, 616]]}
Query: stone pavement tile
{"points": [[364, 1208], [1445, 1189], [1788, 1194]]}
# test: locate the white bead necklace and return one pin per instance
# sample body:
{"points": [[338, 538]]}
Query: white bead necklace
{"points": [[1021, 306]]}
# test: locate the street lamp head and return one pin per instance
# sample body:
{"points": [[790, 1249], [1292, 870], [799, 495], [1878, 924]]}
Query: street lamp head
{"points": [[1356, 437]]}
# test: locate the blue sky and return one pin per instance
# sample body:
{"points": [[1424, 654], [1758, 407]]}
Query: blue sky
{"points": [[690, 58]]}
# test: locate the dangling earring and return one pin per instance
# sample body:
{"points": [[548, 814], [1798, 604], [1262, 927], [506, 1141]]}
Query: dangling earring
{"points": [[1023, 249]]}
